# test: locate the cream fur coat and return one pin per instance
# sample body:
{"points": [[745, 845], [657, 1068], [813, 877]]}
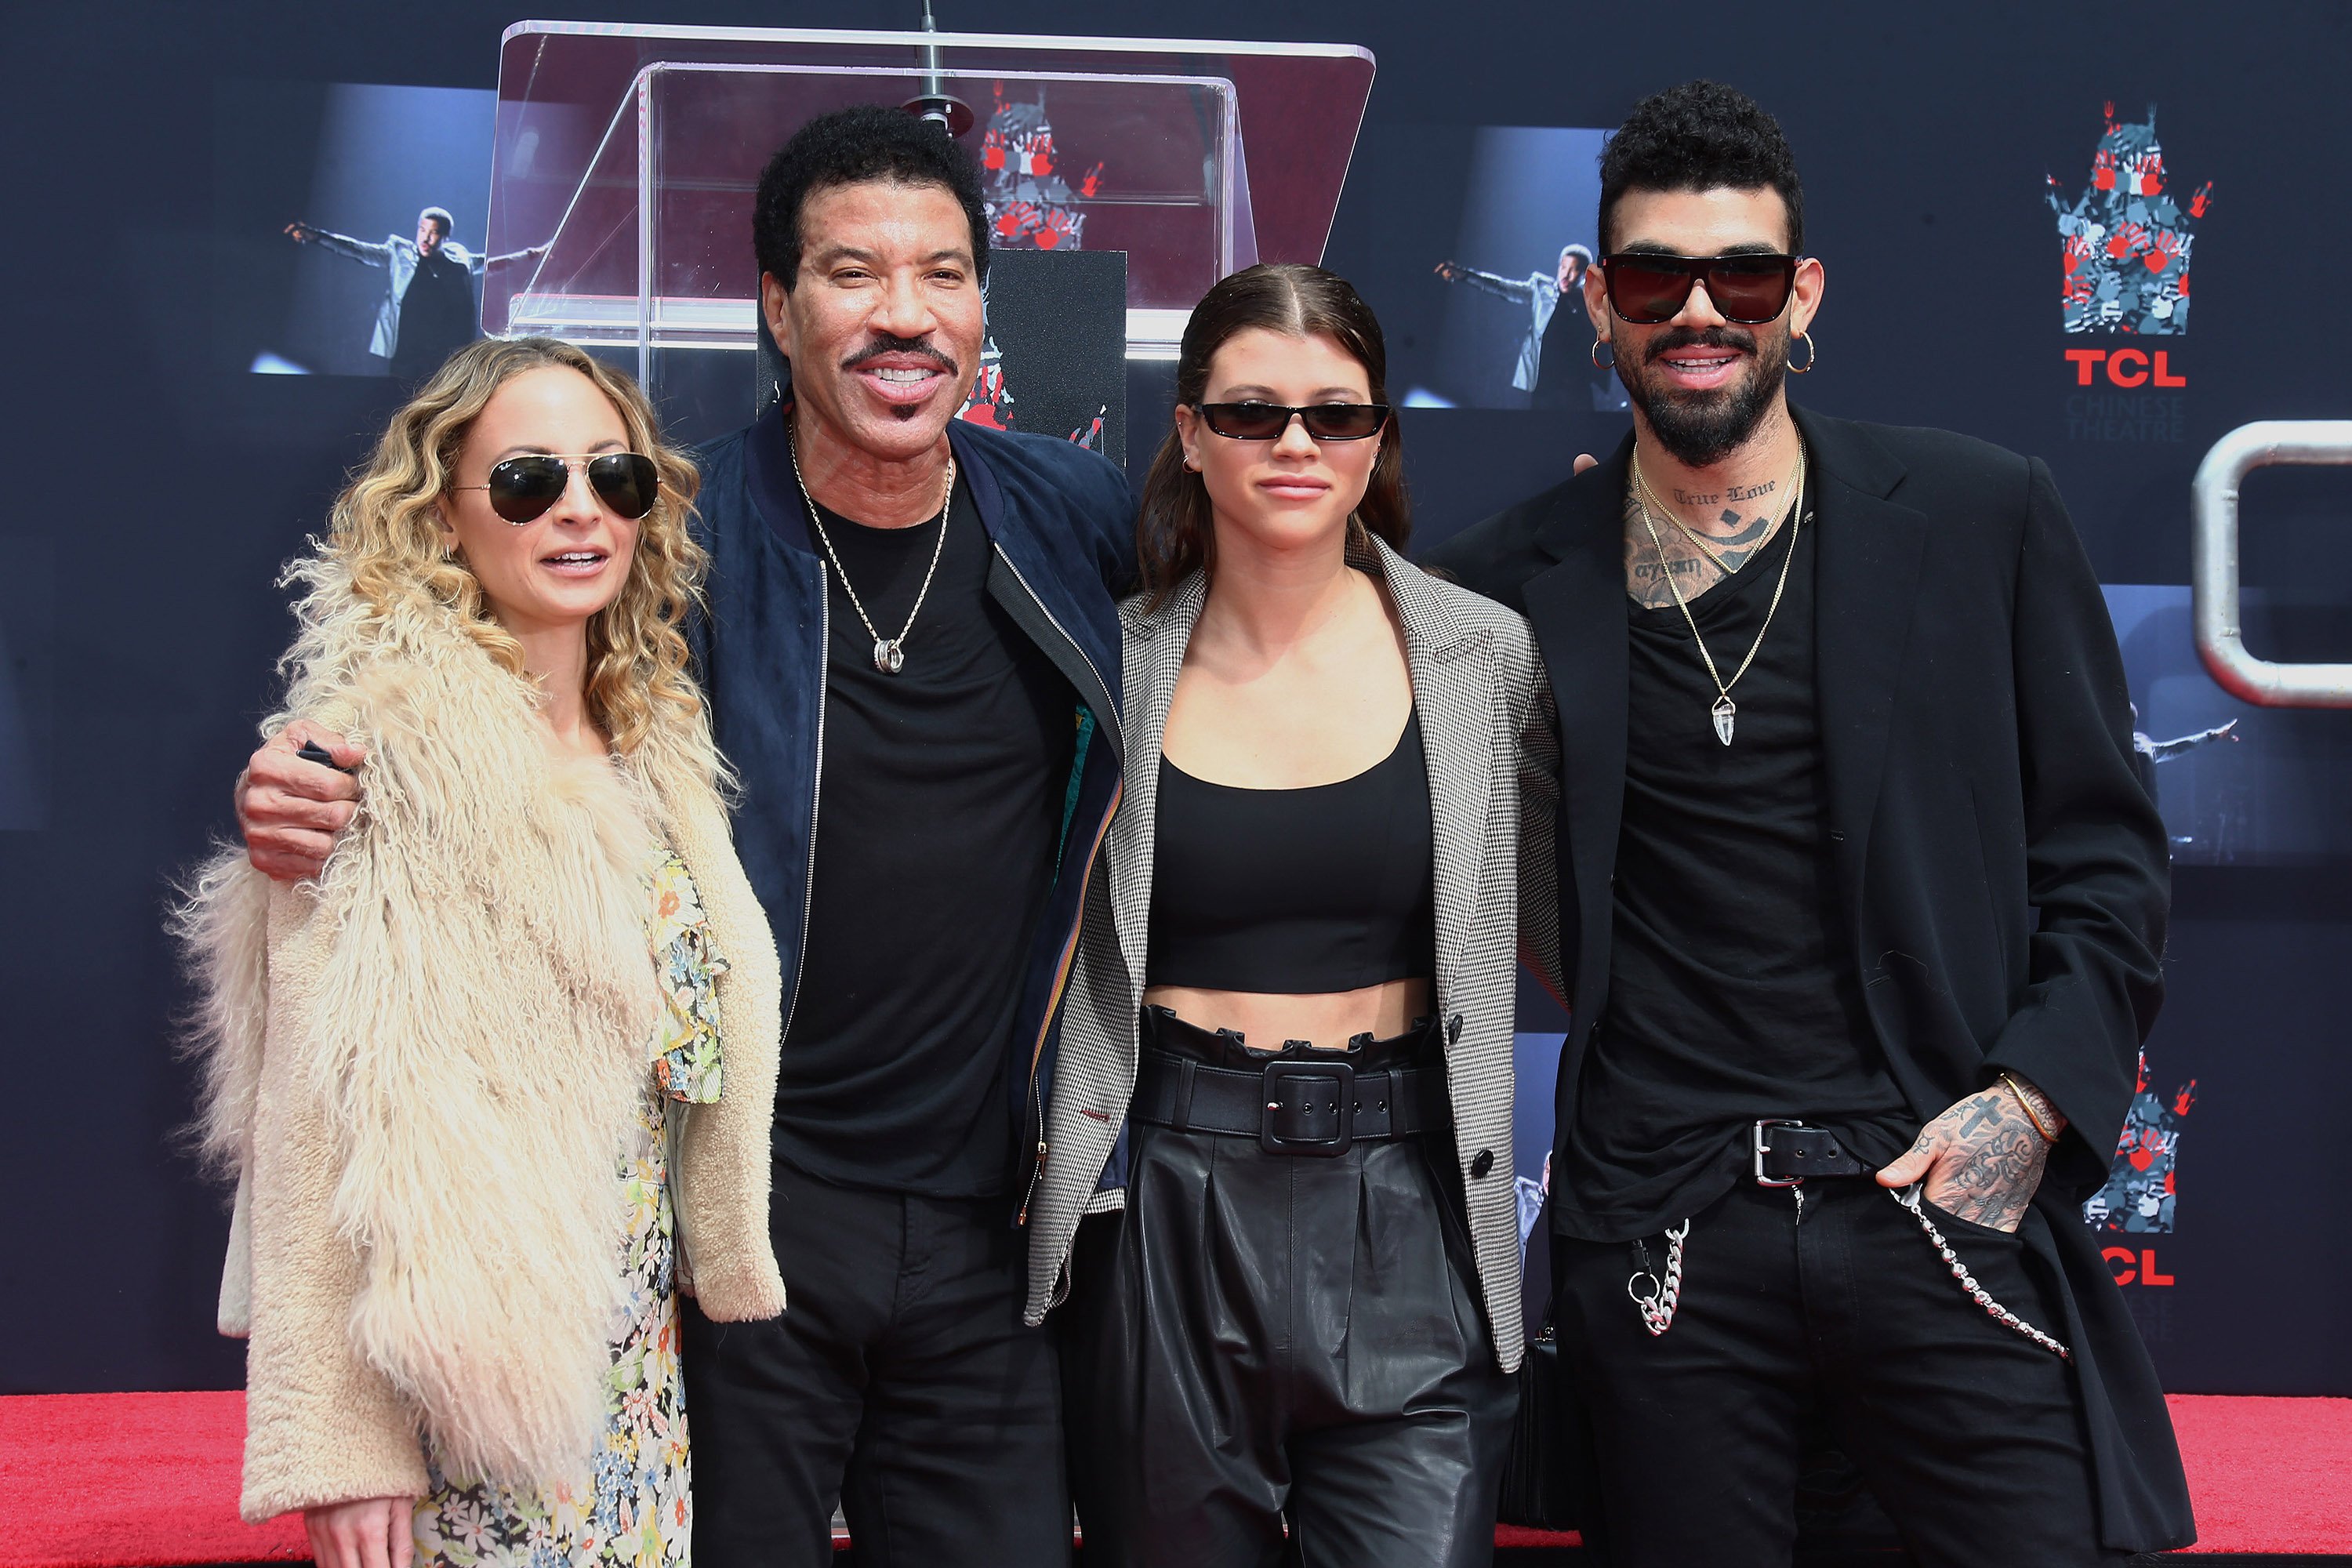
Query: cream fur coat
{"points": [[421, 1067]]}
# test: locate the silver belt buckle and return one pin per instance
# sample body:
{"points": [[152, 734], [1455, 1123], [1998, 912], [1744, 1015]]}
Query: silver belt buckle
{"points": [[1761, 1179]]}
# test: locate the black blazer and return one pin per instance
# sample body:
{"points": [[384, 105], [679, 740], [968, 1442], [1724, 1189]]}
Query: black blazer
{"points": [[2003, 875]]}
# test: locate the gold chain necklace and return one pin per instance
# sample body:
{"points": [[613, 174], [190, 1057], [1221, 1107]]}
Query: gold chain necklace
{"points": [[1725, 710]]}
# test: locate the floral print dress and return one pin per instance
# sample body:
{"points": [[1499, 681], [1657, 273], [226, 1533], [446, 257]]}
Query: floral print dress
{"points": [[633, 1510]]}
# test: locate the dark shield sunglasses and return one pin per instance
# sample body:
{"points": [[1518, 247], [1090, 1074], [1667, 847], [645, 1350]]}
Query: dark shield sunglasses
{"points": [[1645, 289], [1267, 421], [523, 487]]}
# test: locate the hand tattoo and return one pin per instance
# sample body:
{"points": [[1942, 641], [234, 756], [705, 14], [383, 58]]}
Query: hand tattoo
{"points": [[1988, 1159]]}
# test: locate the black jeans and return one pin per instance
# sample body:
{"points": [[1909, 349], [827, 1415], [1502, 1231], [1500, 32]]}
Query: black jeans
{"points": [[1969, 1433], [900, 1379], [1261, 1336]]}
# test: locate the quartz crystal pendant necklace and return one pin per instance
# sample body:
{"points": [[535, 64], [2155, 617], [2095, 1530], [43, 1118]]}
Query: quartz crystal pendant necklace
{"points": [[889, 653], [1725, 711]]}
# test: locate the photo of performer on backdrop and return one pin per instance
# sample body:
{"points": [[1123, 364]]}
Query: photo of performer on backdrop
{"points": [[430, 307], [1500, 318], [383, 191], [1558, 327]]}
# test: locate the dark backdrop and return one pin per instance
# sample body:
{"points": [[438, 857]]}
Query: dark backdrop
{"points": [[160, 487]]}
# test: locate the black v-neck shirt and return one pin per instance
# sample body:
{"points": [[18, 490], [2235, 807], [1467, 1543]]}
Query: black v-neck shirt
{"points": [[1733, 994], [940, 802]]}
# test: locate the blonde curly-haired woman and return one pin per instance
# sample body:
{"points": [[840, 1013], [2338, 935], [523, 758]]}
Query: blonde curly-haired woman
{"points": [[467, 1077]]}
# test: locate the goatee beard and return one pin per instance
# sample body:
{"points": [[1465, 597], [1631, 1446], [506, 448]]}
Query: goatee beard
{"points": [[1698, 432]]}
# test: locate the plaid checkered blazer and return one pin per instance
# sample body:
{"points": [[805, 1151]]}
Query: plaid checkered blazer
{"points": [[1492, 742]]}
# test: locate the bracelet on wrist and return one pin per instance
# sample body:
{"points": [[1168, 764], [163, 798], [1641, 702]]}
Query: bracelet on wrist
{"points": [[2025, 1103]]}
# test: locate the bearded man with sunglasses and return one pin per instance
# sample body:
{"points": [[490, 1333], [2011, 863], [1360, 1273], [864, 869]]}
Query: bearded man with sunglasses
{"points": [[1863, 909], [911, 655]]}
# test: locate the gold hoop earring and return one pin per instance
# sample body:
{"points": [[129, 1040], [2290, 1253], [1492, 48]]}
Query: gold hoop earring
{"points": [[1813, 355], [1597, 344]]}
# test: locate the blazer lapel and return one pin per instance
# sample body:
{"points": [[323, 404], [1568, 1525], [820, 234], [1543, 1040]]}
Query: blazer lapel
{"points": [[1457, 697], [1869, 551], [1579, 609], [1153, 657]]}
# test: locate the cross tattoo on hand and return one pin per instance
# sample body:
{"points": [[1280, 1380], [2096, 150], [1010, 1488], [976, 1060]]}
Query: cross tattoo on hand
{"points": [[1980, 1161]]}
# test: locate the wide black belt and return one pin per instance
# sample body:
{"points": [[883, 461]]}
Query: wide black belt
{"points": [[1292, 1105], [1788, 1152]]}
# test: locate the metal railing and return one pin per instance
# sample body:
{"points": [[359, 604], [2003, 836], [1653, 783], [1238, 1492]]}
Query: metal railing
{"points": [[2213, 562]]}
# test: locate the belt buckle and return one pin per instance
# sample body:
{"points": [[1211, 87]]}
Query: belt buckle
{"points": [[1340, 1076], [1761, 1179]]}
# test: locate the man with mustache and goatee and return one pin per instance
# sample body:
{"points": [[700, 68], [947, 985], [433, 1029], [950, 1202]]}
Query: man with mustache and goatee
{"points": [[1863, 908], [913, 663]]}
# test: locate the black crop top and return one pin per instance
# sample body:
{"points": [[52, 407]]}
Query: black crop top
{"points": [[1295, 891]]}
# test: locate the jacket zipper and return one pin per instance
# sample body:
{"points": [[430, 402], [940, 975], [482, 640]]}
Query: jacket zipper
{"points": [[1070, 946], [1103, 685], [816, 784]]}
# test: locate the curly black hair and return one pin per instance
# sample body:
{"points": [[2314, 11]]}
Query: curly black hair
{"points": [[1697, 137], [848, 147]]}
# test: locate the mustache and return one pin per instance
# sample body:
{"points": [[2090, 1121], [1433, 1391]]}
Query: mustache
{"points": [[1677, 338], [883, 343]]}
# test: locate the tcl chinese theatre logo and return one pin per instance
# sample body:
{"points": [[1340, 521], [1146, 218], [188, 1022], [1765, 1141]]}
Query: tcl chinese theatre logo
{"points": [[2125, 247]]}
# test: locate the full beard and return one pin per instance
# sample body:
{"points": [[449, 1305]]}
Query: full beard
{"points": [[1701, 429]]}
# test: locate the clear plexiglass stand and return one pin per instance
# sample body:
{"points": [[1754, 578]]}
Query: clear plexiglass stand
{"points": [[633, 153]]}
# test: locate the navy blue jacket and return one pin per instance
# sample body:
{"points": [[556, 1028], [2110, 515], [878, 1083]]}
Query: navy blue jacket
{"points": [[1061, 521]]}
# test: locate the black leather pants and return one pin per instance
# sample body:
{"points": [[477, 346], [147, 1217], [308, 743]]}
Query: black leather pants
{"points": [[1262, 1336]]}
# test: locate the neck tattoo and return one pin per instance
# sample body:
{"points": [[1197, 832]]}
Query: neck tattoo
{"points": [[1725, 713]]}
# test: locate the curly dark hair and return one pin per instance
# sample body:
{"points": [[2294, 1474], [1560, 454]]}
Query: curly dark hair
{"points": [[1697, 137], [1174, 530], [848, 147]]}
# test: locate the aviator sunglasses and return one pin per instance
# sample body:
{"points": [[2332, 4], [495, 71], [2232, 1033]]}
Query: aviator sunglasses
{"points": [[1646, 288], [523, 487], [1267, 421]]}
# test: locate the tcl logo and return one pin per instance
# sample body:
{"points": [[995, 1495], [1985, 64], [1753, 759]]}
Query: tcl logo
{"points": [[2129, 1266], [2125, 367]]}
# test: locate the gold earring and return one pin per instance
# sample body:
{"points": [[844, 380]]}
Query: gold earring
{"points": [[1813, 355], [1597, 344]]}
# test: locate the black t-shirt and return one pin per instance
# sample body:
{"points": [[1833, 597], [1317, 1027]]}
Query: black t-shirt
{"points": [[939, 807], [436, 316], [1732, 994]]}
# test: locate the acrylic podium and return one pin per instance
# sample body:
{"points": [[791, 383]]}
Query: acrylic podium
{"points": [[632, 153]]}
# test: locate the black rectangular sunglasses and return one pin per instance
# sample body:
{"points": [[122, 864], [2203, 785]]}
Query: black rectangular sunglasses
{"points": [[523, 487], [1647, 288], [1267, 421]]}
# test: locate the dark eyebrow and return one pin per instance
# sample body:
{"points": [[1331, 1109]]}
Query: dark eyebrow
{"points": [[853, 252], [1266, 394], [1652, 248]]}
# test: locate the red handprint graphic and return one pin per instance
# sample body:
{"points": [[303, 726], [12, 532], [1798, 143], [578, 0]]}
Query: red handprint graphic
{"points": [[2126, 214]]}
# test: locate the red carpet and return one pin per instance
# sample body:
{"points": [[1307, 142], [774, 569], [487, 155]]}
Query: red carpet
{"points": [[2268, 1475], [114, 1479], [147, 1480]]}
